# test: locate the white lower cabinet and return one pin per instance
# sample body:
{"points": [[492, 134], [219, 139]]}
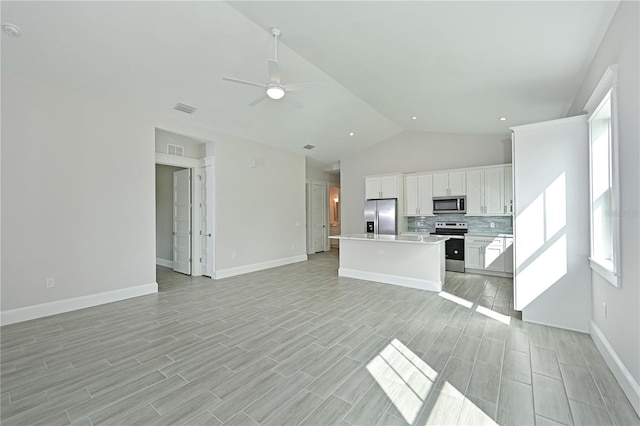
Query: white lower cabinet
{"points": [[489, 255]]}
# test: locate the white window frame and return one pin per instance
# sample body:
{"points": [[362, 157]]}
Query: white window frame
{"points": [[606, 88]]}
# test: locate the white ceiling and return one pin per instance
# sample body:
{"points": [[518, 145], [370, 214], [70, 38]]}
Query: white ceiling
{"points": [[456, 66]]}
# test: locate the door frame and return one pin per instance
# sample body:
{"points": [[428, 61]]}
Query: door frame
{"points": [[196, 199]]}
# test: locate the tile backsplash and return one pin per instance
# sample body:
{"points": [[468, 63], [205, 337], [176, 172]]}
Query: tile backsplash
{"points": [[477, 224]]}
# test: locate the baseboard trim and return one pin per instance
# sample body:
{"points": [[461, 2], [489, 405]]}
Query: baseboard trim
{"points": [[225, 273], [391, 279], [548, 324], [628, 384], [490, 273], [164, 262], [27, 313]]}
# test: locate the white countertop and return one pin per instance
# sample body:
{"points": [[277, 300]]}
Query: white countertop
{"points": [[412, 239]]}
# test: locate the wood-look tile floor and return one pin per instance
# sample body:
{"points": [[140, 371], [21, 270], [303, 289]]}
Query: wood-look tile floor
{"points": [[298, 345]]}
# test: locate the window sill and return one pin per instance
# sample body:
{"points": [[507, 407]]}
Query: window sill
{"points": [[604, 269]]}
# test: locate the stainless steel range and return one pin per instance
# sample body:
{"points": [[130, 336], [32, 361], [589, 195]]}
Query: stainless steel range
{"points": [[454, 246]]}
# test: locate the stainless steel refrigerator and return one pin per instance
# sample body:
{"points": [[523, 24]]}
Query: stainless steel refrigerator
{"points": [[380, 216]]}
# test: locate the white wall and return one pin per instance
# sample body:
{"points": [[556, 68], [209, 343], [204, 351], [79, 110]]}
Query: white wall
{"points": [[413, 152], [164, 211], [260, 211], [551, 223], [621, 328], [77, 196], [315, 171], [79, 205]]}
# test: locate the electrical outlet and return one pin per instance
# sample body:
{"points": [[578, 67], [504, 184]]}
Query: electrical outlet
{"points": [[234, 254], [492, 224], [49, 282], [380, 251], [604, 309], [293, 246]]}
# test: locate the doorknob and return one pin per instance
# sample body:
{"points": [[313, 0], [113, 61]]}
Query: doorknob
{"points": [[209, 234]]}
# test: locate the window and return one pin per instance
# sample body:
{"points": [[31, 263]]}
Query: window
{"points": [[603, 175]]}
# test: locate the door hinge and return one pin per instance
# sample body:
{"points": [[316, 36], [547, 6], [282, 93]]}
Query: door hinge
{"points": [[199, 177], [200, 232], [200, 260]]}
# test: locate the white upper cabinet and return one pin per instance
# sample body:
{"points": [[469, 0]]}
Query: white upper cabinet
{"points": [[494, 191], [486, 191], [508, 189], [418, 195], [475, 192], [384, 186], [452, 183]]}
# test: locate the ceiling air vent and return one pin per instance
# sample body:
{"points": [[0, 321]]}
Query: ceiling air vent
{"points": [[176, 150], [185, 108], [308, 146]]}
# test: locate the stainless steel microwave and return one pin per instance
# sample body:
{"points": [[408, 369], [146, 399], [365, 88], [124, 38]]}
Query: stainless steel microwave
{"points": [[450, 204]]}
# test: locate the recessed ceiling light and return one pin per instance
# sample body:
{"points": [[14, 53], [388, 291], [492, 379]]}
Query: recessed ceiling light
{"points": [[11, 30], [351, 133], [414, 118], [503, 118]]}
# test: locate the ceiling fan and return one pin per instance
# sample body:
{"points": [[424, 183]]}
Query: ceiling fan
{"points": [[274, 88]]}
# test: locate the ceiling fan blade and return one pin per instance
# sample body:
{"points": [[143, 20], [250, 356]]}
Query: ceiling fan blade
{"points": [[249, 83], [257, 100], [274, 72], [295, 102], [297, 87]]}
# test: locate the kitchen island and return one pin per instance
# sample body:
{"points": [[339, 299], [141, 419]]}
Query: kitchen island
{"points": [[415, 261]]}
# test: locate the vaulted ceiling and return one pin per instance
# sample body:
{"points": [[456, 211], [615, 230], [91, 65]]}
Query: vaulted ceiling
{"points": [[455, 66]]}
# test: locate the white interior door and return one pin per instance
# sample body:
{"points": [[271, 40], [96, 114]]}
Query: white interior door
{"points": [[318, 216], [207, 228], [182, 221]]}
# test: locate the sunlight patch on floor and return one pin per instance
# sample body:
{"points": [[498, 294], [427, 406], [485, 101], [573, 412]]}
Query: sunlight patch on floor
{"points": [[459, 300], [404, 377], [408, 381], [505, 319]]}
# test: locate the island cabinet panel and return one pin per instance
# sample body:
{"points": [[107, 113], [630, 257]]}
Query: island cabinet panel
{"points": [[410, 261]]}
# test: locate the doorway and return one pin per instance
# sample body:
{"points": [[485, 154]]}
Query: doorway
{"points": [[189, 224], [334, 213], [173, 212], [317, 216]]}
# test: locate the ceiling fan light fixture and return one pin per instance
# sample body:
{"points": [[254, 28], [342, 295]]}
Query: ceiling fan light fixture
{"points": [[275, 91]]}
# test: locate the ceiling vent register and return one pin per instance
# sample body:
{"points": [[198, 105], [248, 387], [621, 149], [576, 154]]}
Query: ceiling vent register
{"points": [[309, 146], [175, 150], [185, 108]]}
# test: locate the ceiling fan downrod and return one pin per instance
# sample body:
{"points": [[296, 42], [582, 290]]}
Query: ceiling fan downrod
{"points": [[276, 33]]}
